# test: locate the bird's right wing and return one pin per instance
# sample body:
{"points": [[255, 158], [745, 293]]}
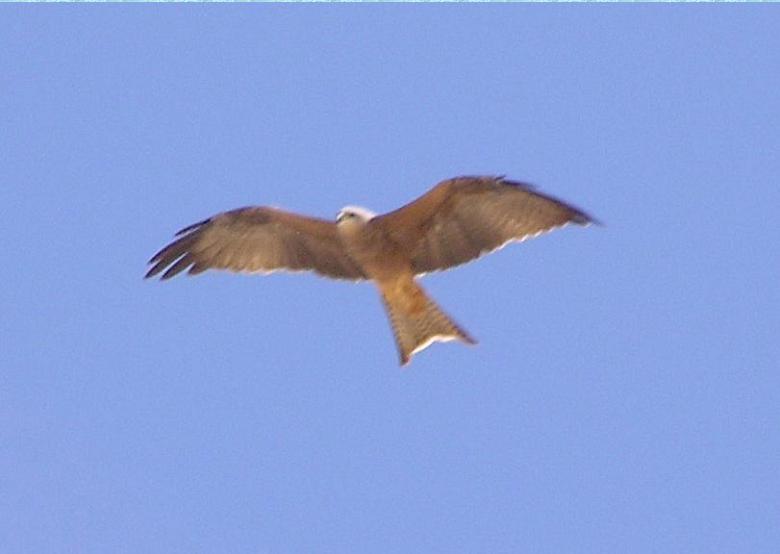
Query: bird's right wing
{"points": [[257, 240], [460, 219]]}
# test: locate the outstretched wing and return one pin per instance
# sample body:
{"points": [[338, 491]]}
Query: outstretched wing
{"points": [[462, 218], [257, 239]]}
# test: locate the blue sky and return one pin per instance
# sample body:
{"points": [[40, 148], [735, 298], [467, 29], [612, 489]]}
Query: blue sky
{"points": [[625, 392]]}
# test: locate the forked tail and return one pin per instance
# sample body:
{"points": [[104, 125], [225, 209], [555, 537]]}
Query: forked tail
{"points": [[416, 320]]}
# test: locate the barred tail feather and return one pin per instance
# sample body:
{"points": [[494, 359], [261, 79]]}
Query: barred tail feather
{"points": [[417, 321]]}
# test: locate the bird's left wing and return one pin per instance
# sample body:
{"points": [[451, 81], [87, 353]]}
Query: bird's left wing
{"points": [[462, 218], [257, 239]]}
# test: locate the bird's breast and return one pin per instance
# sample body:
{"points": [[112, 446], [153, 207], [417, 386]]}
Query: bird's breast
{"points": [[379, 257]]}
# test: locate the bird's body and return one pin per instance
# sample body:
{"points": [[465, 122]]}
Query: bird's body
{"points": [[370, 246], [414, 317], [457, 221]]}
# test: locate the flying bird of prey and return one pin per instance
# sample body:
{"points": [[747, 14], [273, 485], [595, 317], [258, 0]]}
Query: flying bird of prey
{"points": [[455, 222]]}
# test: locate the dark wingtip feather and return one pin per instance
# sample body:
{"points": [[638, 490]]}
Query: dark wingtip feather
{"points": [[173, 252], [192, 227], [183, 263], [157, 256], [582, 218], [197, 269], [502, 180], [153, 271], [578, 216]]}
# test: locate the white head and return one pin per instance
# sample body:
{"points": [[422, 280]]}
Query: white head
{"points": [[348, 213]]}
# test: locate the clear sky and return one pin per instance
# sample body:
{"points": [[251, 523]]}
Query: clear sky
{"points": [[625, 394]]}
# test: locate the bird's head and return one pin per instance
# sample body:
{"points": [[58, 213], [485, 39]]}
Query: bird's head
{"points": [[354, 214]]}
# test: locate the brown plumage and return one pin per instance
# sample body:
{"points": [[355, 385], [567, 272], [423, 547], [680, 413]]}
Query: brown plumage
{"points": [[456, 221], [258, 240], [416, 320], [460, 219]]}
